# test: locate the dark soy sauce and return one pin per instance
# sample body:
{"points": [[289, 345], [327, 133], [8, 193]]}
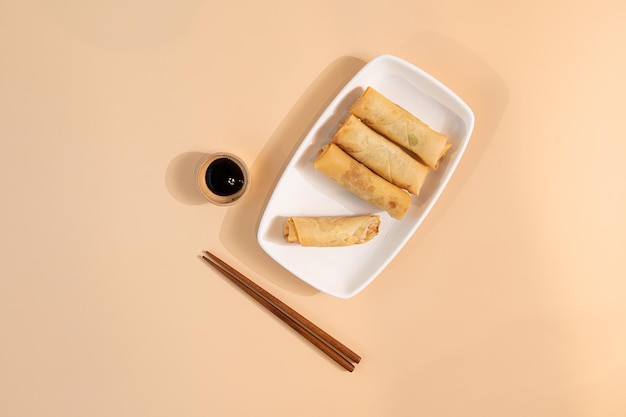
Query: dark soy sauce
{"points": [[224, 177]]}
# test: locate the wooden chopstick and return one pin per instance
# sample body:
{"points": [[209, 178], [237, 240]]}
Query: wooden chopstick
{"points": [[318, 337]]}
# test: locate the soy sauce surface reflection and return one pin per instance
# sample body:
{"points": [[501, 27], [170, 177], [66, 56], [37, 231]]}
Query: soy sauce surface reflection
{"points": [[224, 177]]}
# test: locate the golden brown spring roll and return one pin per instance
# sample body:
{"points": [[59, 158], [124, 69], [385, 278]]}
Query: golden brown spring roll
{"points": [[331, 230], [400, 126], [380, 155], [359, 180]]}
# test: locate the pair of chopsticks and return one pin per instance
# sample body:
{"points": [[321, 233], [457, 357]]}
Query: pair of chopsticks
{"points": [[318, 337]]}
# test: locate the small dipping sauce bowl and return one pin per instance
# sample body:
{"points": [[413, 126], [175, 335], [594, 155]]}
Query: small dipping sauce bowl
{"points": [[222, 178]]}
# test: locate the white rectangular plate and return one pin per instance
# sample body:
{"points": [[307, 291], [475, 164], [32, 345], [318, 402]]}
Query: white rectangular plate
{"points": [[302, 191]]}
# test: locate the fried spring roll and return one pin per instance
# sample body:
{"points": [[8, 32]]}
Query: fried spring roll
{"points": [[401, 127], [380, 155], [331, 230], [359, 180]]}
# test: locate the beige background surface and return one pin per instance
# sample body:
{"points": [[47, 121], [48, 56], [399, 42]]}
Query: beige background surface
{"points": [[508, 301]]}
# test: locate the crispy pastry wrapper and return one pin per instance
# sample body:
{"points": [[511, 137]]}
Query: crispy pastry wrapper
{"points": [[401, 127], [380, 155], [331, 230], [355, 177]]}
